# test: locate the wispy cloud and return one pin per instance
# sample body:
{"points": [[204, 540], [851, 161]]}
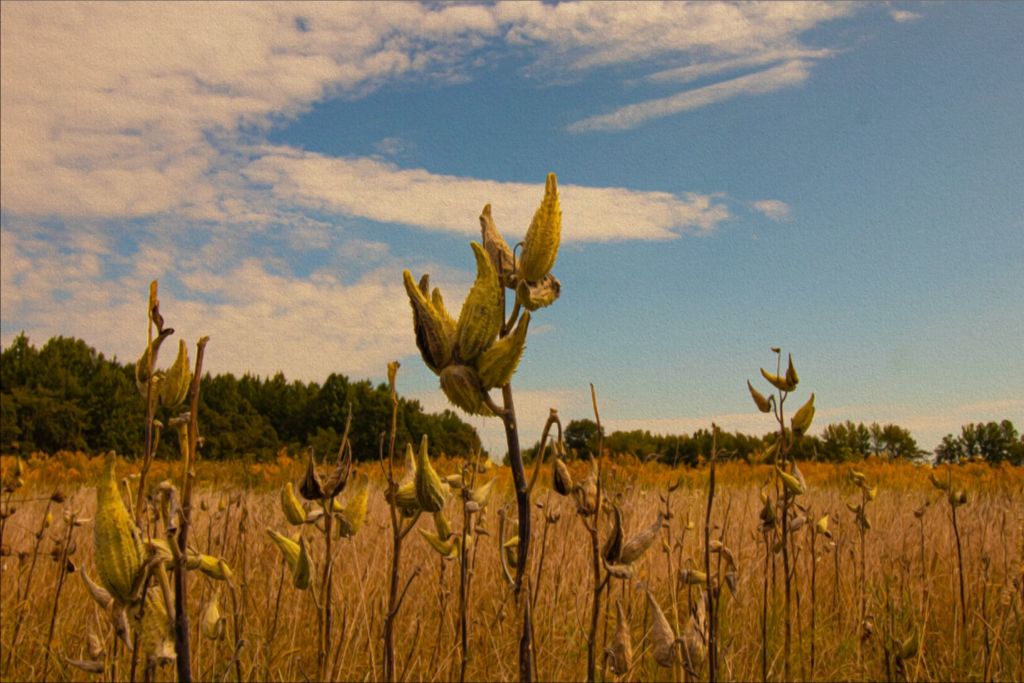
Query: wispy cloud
{"points": [[903, 16], [783, 76], [774, 209], [383, 192], [693, 72]]}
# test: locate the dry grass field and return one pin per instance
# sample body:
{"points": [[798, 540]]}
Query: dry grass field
{"points": [[909, 594]]}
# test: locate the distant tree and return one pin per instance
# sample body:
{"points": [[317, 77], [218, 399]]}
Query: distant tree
{"points": [[581, 436], [894, 441], [845, 441], [992, 442]]}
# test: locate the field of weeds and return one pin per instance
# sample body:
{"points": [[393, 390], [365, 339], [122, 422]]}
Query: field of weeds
{"points": [[903, 619]]}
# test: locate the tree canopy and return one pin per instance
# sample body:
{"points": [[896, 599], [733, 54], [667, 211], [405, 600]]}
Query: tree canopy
{"points": [[66, 395]]}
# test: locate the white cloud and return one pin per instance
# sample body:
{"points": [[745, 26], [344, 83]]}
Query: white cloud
{"points": [[902, 16], [774, 209], [785, 75], [693, 72], [383, 192]]}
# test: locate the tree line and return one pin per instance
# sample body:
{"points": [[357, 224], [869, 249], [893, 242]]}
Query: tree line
{"points": [[66, 395], [839, 442]]}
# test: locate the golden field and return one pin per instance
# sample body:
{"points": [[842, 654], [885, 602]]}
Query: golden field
{"points": [[910, 588]]}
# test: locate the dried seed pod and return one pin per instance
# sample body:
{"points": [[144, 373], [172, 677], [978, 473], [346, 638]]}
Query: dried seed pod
{"points": [[96, 647], [176, 382], [430, 491], [613, 544], [432, 338], [481, 316], [311, 486], [621, 650], [763, 404], [792, 379], [619, 571], [292, 507], [540, 248], [497, 248], [143, 364], [693, 577], [98, 593], [540, 294], [118, 550], [560, 477], [638, 544], [335, 482], [88, 666], [213, 622], [497, 364], [663, 639], [461, 384]]}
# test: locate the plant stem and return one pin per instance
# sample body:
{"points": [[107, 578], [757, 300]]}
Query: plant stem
{"points": [[710, 598]]}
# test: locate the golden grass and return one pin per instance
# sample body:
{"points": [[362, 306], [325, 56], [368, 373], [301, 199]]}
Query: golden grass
{"points": [[905, 591]]}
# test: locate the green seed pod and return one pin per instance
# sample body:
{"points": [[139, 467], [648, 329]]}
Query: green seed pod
{"points": [[497, 364], [289, 548], [353, 515], [779, 383], [482, 494], [543, 236], [213, 623], [302, 567], [406, 499], [432, 339], [481, 315], [430, 492], [447, 549], [763, 404], [534, 295], [790, 483], [175, 385], [462, 386], [444, 529], [448, 323], [293, 510], [792, 379], [803, 417], [119, 551], [497, 248], [211, 566]]}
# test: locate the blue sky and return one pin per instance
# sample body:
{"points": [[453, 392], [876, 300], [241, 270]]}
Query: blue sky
{"points": [[841, 180]]}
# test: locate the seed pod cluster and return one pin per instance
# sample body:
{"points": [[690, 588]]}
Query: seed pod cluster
{"points": [[470, 354]]}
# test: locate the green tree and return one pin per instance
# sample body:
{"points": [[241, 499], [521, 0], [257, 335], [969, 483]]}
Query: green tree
{"points": [[581, 436], [992, 442]]}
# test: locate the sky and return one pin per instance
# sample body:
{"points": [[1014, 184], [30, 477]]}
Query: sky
{"points": [[841, 180]]}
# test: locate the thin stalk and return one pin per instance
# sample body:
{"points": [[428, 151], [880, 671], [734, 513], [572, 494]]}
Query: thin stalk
{"points": [[960, 566], [63, 573], [710, 596]]}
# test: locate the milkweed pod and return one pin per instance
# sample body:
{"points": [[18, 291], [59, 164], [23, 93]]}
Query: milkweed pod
{"points": [[855, 509], [497, 364], [803, 417], [790, 483], [88, 666], [289, 548], [621, 650], [311, 486], [293, 510], [540, 294], [791, 377], [799, 475], [613, 544], [209, 565], [175, 385], [96, 647], [118, 550], [663, 638], [154, 632], [637, 545], [857, 477], [797, 523], [430, 492], [98, 593], [302, 567], [910, 646], [619, 571], [448, 323], [730, 581], [762, 403], [432, 340], [444, 529], [481, 316], [822, 526], [560, 477], [872, 492], [482, 494], [447, 548], [940, 485], [353, 516], [540, 248], [461, 384], [497, 248], [511, 550], [718, 547], [213, 623], [406, 499], [693, 577], [454, 481], [159, 548], [148, 361], [779, 383]]}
